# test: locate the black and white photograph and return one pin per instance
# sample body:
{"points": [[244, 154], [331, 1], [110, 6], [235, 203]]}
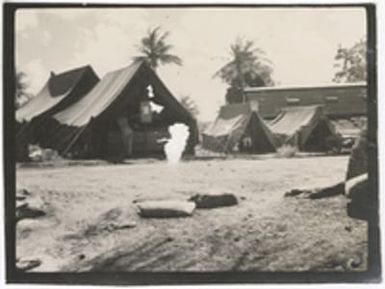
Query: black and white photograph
{"points": [[191, 141]]}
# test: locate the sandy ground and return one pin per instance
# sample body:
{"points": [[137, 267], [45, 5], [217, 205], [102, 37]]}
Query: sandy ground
{"points": [[264, 232]]}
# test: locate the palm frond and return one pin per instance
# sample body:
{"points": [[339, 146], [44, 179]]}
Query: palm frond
{"points": [[169, 58], [247, 60], [155, 50], [163, 37]]}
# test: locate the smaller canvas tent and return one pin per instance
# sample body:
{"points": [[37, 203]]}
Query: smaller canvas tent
{"points": [[305, 127], [349, 127], [238, 125], [60, 91]]}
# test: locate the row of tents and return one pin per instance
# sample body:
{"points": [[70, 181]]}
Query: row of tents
{"points": [[129, 110], [239, 127], [81, 116]]}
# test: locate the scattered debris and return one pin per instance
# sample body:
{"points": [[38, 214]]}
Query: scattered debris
{"points": [[209, 201], [296, 192], [27, 264], [125, 226], [169, 239], [353, 263], [28, 206], [24, 211], [331, 191], [109, 221], [22, 194], [348, 228], [165, 208], [287, 151], [38, 154]]}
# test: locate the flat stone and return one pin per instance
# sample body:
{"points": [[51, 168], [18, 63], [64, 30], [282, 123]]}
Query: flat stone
{"points": [[209, 201], [165, 208]]}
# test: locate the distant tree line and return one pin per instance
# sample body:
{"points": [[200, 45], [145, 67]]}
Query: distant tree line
{"points": [[351, 62]]}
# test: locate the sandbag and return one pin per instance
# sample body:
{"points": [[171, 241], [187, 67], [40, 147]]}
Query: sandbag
{"points": [[357, 186], [360, 205], [358, 161], [209, 201], [165, 208], [326, 192]]}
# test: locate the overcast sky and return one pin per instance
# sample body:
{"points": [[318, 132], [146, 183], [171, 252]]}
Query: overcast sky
{"points": [[301, 43]]}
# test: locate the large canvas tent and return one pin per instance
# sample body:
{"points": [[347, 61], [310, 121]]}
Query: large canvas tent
{"points": [[60, 91], [305, 127], [238, 125], [131, 100]]}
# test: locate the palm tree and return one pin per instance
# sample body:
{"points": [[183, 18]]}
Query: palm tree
{"points": [[248, 67], [155, 51], [189, 104]]}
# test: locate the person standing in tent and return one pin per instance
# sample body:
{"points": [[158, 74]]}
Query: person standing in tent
{"points": [[127, 135], [130, 139]]}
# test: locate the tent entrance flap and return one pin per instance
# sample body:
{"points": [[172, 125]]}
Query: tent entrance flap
{"points": [[126, 134], [119, 138], [256, 138], [320, 139]]}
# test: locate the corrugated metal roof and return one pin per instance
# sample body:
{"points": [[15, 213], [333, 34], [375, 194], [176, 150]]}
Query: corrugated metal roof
{"points": [[338, 101], [305, 86], [347, 127]]}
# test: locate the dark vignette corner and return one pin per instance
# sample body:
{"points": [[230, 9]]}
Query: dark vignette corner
{"points": [[12, 276], [9, 138], [374, 250]]}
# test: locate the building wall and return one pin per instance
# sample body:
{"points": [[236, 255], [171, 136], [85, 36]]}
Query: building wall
{"points": [[344, 101]]}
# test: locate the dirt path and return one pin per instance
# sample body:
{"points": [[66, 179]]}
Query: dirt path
{"points": [[264, 232]]}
